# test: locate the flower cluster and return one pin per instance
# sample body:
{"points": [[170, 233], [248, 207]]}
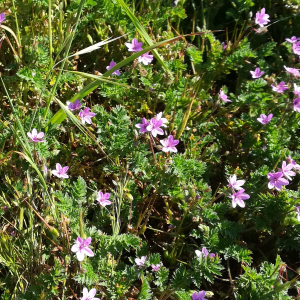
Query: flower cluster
{"points": [[204, 253], [278, 179], [239, 196], [85, 115], [154, 127], [37, 137], [135, 46], [140, 262]]}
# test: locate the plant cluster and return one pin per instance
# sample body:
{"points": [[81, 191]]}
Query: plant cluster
{"points": [[149, 150]]}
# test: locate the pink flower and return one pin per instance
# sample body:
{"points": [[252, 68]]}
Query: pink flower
{"points": [[291, 161], [140, 261], [276, 181], [286, 170], [262, 18], [296, 103], [280, 88], [35, 136], [257, 73], [296, 48], [204, 252], [112, 64], [86, 116], [224, 46], [134, 46], [60, 171], [89, 295], [146, 58], [265, 119], [2, 17], [293, 71], [103, 198], [74, 106], [298, 213], [155, 268], [154, 127], [169, 144], [293, 39], [199, 296], [296, 90], [81, 248], [235, 184], [238, 197], [159, 117], [223, 97], [143, 126]]}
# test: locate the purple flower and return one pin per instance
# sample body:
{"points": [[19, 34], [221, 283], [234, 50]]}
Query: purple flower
{"points": [[146, 58], [235, 184], [296, 48], [204, 252], [276, 181], [223, 97], [293, 71], [140, 261], [293, 39], [154, 127], [238, 197], [286, 170], [103, 198], [298, 213], [296, 103], [280, 88], [224, 46], [45, 169], [112, 64], [296, 90], [35, 136], [151, 89], [81, 248], [86, 116], [262, 18], [74, 106], [265, 119], [199, 296], [2, 17], [155, 268], [257, 73], [89, 295], [169, 144], [143, 126], [159, 117], [134, 46], [60, 171], [295, 165]]}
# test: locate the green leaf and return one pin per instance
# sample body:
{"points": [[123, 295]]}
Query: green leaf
{"points": [[145, 293]]}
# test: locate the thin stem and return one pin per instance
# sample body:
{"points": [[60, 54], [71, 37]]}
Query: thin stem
{"points": [[50, 34], [17, 26]]}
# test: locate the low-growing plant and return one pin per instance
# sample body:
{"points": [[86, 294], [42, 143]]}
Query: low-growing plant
{"points": [[149, 150]]}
